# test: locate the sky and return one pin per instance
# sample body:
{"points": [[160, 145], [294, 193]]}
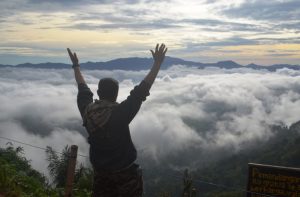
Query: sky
{"points": [[261, 31], [210, 113]]}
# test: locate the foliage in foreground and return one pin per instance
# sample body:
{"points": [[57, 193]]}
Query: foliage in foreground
{"points": [[18, 179]]}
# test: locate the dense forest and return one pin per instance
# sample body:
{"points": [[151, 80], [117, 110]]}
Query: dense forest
{"points": [[18, 178]]}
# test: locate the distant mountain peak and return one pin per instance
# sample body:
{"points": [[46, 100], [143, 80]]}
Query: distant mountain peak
{"points": [[228, 64], [251, 64]]}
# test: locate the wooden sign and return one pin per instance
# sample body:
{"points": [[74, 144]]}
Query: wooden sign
{"points": [[267, 180]]}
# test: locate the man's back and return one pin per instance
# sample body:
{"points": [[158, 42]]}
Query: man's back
{"points": [[112, 152], [111, 147]]}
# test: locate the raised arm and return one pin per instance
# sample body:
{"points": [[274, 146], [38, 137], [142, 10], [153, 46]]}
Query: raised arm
{"points": [[158, 56], [128, 108], [85, 95], [78, 76]]}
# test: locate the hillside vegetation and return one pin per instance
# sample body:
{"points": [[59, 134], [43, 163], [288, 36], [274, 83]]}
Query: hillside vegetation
{"points": [[230, 173], [18, 179]]}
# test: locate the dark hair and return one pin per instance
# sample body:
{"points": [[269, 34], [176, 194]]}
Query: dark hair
{"points": [[108, 89]]}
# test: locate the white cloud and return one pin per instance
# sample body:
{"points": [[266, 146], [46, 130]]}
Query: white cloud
{"points": [[206, 111]]}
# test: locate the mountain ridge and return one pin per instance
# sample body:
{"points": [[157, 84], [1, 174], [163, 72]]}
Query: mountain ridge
{"points": [[138, 63]]}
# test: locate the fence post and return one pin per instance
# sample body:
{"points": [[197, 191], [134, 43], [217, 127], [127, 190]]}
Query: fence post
{"points": [[188, 189], [71, 171], [194, 192]]}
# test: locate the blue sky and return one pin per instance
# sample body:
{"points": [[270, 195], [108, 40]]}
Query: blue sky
{"points": [[264, 32]]}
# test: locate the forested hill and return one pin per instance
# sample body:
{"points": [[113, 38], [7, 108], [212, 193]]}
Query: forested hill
{"points": [[136, 63], [282, 148]]}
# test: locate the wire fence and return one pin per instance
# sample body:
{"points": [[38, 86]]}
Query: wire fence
{"points": [[38, 147], [203, 180], [236, 189]]}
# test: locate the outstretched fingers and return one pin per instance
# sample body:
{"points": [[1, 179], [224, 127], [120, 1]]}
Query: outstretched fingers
{"points": [[164, 53], [159, 52], [161, 48], [156, 48], [73, 56], [152, 52], [70, 53]]}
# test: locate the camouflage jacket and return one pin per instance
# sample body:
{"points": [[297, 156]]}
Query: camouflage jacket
{"points": [[111, 147]]}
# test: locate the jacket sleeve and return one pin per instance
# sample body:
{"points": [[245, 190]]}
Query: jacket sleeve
{"points": [[84, 97], [127, 109]]}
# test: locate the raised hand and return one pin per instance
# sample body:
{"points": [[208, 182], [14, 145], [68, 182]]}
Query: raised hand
{"points": [[73, 58], [78, 76], [159, 54]]}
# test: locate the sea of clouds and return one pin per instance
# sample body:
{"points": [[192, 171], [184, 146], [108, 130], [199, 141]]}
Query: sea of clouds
{"points": [[207, 111]]}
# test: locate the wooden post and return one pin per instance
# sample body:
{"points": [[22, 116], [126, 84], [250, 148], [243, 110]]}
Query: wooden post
{"points": [[187, 184], [194, 192], [71, 171], [188, 189]]}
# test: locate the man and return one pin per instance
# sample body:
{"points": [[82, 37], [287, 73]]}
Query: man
{"points": [[112, 152]]}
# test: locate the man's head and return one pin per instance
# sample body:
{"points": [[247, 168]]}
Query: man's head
{"points": [[108, 89]]}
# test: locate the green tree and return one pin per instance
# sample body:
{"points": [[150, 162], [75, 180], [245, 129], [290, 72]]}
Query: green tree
{"points": [[58, 165], [17, 178]]}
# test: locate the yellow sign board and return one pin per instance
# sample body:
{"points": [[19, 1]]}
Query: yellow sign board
{"points": [[276, 181]]}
